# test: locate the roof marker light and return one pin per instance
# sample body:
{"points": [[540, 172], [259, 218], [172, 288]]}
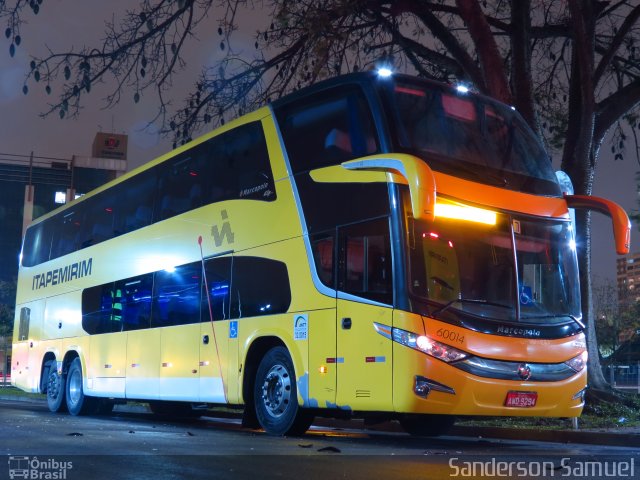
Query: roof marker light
{"points": [[384, 72]]}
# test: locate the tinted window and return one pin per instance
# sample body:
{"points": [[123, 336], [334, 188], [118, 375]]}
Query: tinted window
{"points": [[218, 283], [176, 295], [238, 166], [68, 229], [113, 307], [322, 247], [181, 183], [132, 202], [37, 244], [259, 287], [233, 165], [365, 261], [327, 129]]}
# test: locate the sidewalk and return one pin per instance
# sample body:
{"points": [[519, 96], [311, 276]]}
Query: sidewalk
{"points": [[621, 436]]}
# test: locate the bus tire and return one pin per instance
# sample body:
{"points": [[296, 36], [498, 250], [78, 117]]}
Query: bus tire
{"points": [[427, 425], [77, 402], [275, 396], [56, 386]]}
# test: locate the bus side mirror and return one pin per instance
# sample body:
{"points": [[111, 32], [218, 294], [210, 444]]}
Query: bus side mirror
{"points": [[419, 176], [619, 218]]}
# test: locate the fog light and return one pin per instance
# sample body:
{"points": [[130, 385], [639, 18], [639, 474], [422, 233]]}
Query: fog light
{"points": [[421, 387], [580, 395]]}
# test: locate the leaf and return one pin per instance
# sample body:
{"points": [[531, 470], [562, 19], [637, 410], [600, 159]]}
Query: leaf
{"points": [[142, 72], [48, 89], [36, 76], [67, 72], [136, 97], [61, 113], [143, 62], [25, 89], [12, 49], [36, 9], [219, 30], [18, 39], [221, 45], [33, 64], [7, 32], [174, 48]]}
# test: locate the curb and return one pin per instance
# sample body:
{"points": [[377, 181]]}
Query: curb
{"points": [[588, 437]]}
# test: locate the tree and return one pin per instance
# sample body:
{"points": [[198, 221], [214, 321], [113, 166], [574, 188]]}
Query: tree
{"points": [[7, 303], [570, 67]]}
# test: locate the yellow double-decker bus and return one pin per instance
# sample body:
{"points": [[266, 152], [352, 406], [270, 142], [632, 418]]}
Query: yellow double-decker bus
{"points": [[371, 245]]}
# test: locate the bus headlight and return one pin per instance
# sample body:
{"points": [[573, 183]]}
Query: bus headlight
{"points": [[578, 363], [426, 345]]}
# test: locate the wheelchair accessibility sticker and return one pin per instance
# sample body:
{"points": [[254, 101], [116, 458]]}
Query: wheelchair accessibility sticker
{"points": [[233, 329]]}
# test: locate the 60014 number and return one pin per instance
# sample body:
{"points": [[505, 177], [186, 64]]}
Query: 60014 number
{"points": [[450, 335]]}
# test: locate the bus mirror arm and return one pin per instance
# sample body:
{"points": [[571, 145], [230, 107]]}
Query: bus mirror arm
{"points": [[419, 176], [619, 218]]}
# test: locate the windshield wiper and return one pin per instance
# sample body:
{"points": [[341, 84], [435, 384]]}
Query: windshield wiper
{"points": [[468, 300], [572, 317]]}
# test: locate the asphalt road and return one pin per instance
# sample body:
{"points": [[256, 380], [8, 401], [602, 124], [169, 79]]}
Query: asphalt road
{"points": [[39, 444]]}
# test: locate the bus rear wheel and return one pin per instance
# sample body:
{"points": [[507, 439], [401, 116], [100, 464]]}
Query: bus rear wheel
{"points": [[77, 402], [276, 396], [427, 425], [56, 386]]}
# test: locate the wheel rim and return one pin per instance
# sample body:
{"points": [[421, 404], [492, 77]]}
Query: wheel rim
{"points": [[53, 388], [75, 387], [276, 391]]}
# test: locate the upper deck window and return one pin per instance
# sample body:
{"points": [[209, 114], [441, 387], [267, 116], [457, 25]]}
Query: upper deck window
{"points": [[469, 137], [232, 165], [327, 129]]}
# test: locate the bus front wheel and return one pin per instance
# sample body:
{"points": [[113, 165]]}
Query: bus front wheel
{"points": [[77, 402], [276, 396], [55, 389]]}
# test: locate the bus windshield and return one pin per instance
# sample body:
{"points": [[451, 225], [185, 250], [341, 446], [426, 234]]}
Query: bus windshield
{"points": [[470, 137], [517, 270]]}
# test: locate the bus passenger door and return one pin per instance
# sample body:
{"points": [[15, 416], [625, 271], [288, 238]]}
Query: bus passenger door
{"points": [[218, 362], [176, 311], [364, 361]]}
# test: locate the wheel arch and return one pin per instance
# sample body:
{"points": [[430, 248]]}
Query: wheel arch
{"points": [[258, 349], [49, 357]]}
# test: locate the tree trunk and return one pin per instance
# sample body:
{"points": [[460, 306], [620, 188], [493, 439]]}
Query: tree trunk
{"points": [[596, 378], [579, 162]]}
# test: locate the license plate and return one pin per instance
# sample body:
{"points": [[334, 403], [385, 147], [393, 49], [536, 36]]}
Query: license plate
{"points": [[521, 399]]}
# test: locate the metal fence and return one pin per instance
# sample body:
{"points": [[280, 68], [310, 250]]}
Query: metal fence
{"points": [[624, 377]]}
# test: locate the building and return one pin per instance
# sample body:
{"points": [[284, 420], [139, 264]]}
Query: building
{"points": [[628, 278], [31, 186]]}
